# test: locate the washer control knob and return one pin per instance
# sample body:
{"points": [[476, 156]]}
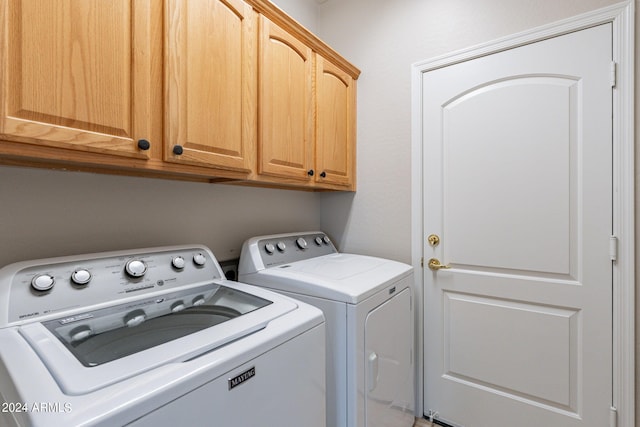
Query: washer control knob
{"points": [[43, 282], [326, 240], [301, 242], [199, 259], [81, 276], [135, 320], [177, 306], [269, 248], [135, 268], [199, 300], [281, 246], [318, 240], [178, 262]]}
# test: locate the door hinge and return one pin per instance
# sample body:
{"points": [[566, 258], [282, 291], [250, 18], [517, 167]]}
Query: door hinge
{"points": [[613, 248], [422, 262], [613, 417], [613, 74]]}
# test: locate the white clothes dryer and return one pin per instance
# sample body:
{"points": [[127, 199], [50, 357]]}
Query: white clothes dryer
{"points": [[154, 337], [367, 303]]}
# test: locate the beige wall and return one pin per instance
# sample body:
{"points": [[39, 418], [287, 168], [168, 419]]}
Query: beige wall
{"points": [[47, 213], [395, 34]]}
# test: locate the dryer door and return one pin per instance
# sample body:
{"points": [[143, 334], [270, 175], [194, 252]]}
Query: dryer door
{"points": [[388, 363]]}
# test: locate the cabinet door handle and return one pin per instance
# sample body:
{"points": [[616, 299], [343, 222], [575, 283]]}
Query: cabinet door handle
{"points": [[177, 150], [310, 172], [143, 144], [323, 174]]}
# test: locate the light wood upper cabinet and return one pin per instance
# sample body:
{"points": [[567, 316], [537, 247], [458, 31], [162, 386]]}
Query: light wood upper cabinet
{"points": [[210, 83], [286, 104], [335, 125], [76, 74], [207, 90]]}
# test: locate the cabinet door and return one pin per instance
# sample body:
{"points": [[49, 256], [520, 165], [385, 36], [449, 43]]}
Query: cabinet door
{"points": [[76, 74], [285, 112], [335, 124], [211, 83]]}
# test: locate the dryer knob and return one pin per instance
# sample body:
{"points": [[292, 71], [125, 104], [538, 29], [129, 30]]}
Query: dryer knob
{"points": [[281, 246], [135, 268], [269, 248], [318, 241], [81, 276], [178, 262], [326, 240], [42, 282], [199, 259], [302, 244]]}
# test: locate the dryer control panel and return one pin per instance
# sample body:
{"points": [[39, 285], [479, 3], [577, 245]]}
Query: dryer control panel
{"points": [[41, 289], [279, 249]]}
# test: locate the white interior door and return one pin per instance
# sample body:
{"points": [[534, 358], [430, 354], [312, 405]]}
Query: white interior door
{"points": [[518, 187]]}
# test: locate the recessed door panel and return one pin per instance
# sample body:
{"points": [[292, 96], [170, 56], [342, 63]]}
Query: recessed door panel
{"points": [[515, 169], [388, 363], [488, 346]]}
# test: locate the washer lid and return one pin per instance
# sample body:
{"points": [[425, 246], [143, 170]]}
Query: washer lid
{"points": [[340, 277], [87, 351]]}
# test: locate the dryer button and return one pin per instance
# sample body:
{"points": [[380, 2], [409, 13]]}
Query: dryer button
{"points": [[301, 242]]}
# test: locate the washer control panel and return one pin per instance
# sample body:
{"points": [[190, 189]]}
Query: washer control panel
{"points": [[287, 248], [45, 288]]}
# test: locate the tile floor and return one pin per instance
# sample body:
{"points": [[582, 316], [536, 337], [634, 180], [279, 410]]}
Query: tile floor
{"points": [[423, 423]]}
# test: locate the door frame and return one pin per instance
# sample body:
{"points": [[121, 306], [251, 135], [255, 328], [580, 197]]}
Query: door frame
{"points": [[621, 16]]}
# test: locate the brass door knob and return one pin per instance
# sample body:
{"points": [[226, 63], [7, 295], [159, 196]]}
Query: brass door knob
{"points": [[435, 264]]}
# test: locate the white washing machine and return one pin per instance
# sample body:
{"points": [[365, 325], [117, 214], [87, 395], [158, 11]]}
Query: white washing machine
{"points": [[154, 337], [369, 320]]}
